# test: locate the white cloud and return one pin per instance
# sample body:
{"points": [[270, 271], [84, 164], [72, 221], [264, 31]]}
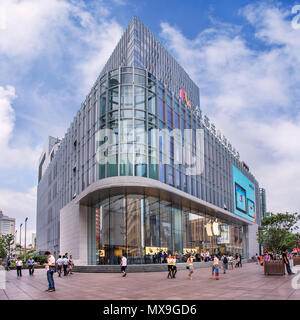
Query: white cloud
{"points": [[29, 24], [20, 205], [60, 31], [101, 40], [13, 154], [51, 52], [252, 94]]}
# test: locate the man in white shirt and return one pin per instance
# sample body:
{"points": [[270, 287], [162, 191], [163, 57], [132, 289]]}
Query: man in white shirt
{"points": [[123, 265], [59, 262], [19, 265], [50, 267], [65, 265]]}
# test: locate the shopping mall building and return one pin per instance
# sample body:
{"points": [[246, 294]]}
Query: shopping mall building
{"points": [[142, 170]]}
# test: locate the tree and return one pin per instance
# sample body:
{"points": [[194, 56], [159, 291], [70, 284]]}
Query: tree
{"points": [[2, 249], [5, 242], [277, 232], [28, 254]]}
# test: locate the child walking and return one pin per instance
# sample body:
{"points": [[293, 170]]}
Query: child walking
{"points": [[217, 271]]}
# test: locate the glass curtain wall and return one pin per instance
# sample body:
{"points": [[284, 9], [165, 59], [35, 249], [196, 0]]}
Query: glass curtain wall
{"points": [[145, 227], [132, 104]]}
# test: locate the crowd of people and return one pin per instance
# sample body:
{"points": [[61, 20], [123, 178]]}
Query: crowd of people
{"points": [[19, 266], [64, 264], [219, 262]]}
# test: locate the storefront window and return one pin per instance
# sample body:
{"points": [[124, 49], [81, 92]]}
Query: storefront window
{"points": [[142, 227]]}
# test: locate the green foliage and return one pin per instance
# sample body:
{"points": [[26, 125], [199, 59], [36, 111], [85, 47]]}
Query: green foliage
{"points": [[35, 256], [39, 258], [5, 243], [277, 232], [28, 254], [2, 251]]}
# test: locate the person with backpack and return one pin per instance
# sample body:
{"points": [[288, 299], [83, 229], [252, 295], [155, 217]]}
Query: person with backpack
{"points": [[225, 263]]}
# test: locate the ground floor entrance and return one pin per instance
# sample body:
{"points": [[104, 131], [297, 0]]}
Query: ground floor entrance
{"points": [[147, 228]]}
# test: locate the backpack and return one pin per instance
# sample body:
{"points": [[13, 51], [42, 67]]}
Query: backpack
{"points": [[225, 260]]}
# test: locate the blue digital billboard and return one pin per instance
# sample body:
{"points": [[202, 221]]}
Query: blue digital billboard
{"points": [[244, 195]]}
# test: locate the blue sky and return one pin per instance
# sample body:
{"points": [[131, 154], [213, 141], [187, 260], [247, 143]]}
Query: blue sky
{"points": [[244, 56]]}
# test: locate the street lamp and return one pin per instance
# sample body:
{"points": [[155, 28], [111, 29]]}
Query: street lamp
{"points": [[25, 239], [21, 234], [15, 242]]}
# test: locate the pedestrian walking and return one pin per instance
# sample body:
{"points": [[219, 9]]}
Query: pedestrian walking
{"points": [[215, 263], [170, 266], [59, 263], [217, 271], [174, 267], [240, 256], [160, 256], [8, 263], [231, 261], [225, 263], [30, 264], [19, 265], [237, 261], [123, 265], [190, 266], [71, 264], [50, 267], [65, 265]]}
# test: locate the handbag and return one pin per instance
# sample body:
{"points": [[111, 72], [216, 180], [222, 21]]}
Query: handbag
{"points": [[187, 267]]}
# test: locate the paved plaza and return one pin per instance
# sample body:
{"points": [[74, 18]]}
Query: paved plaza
{"points": [[245, 283]]}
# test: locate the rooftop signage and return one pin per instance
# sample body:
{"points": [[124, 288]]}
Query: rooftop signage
{"points": [[183, 97], [205, 120]]}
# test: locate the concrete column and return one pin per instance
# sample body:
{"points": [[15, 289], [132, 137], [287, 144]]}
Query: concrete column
{"points": [[253, 246], [73, 232]]}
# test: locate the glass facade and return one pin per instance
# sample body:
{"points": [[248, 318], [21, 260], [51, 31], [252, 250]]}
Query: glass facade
{"points": [[141, 226], [138, 92], [142, 112]]}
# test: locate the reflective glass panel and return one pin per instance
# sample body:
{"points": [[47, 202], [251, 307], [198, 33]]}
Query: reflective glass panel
{"points": [[139, 98]]}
